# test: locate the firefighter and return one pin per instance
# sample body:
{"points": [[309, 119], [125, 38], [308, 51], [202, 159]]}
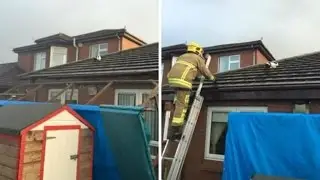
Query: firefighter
{"points": [[180, 78]]}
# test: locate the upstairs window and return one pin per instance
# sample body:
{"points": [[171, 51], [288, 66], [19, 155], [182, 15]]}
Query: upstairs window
{"points": [[39, 61], [98, 49], [227, 63], [58, 56]]}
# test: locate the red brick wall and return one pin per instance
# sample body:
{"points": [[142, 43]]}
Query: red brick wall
{"points": [[260, 58], [25, 61], [127, 44]]}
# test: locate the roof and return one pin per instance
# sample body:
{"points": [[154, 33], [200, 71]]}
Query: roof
{"points": [[181, 48], [295, 72], [61, 38], [9, 74], [5, 67], [143, 59], [12, 122]]}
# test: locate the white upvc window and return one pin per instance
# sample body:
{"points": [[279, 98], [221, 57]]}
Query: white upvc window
{"points": [[98, 49], [216, 129], [227, 63], [58, 56], [301, 108], [134, 97], [64, 98], [39, 61], [174, 60]]}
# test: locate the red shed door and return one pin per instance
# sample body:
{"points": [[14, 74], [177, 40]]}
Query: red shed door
{"points": [[61, 151]]}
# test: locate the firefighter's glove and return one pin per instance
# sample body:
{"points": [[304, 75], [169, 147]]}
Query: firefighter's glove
{"points": [[212, 78], [200, 78]]}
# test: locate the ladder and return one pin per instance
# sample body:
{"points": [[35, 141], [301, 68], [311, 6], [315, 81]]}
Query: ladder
{"points": [[183, 146]]}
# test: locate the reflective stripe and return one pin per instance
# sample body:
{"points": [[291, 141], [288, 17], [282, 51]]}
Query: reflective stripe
{"points": [[187, 64], [186, 100], [177, 121], [186, 71], [181, 82]]}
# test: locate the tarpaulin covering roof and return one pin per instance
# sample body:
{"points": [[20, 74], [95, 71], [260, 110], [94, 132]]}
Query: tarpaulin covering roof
{"points": [[273, 144], [120, 144]]}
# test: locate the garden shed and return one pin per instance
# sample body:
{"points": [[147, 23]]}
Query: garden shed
{"points": [[44, 141]]}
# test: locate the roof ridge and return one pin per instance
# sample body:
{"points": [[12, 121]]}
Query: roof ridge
{"points": [[91, 32], [299, 56], [234, 43]]}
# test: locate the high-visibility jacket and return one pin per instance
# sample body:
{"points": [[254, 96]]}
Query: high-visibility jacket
{"points": [[186, 69]]}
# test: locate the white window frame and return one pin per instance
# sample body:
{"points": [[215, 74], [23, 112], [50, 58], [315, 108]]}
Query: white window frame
{"points": [[230, 61], [64, 54], [138, 92], [38, 58], [99, 49], [63, 97], [210, 110], [174, 60]]}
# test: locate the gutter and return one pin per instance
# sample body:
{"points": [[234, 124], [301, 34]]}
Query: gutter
{"points": [[77, 48]]}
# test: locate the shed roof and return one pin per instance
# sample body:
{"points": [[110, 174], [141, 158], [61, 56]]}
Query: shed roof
{"points": [[294, 72], [16, 117], [139, 60]]}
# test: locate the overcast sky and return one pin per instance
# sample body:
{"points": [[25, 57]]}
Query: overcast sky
{"points": [[288, 27], [23, 21]]}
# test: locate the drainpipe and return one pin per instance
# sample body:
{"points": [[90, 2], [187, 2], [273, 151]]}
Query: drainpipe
{"points": [[254, 56], [119, 46], [77, 48]]}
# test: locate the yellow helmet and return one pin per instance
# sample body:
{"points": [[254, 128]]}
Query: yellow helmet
{"points": [[194, 47]]}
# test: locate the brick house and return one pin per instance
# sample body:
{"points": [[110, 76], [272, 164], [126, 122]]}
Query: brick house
{"points": [[239, 67], [60, 48], [124, 77], [9, 77]]}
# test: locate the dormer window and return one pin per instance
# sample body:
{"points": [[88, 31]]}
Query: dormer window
{"points": [[227, 63], [98, 49]]}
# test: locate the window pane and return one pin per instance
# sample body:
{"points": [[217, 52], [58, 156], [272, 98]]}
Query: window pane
{"points": [[218, 132], [218, 138], [74, 99], [57, 59], [151, 119], [301, 108], [39, 61], [127, 99], [234, 58], [52, 94], [103, 46], [234, 66], [94, 50], [224, 64]]}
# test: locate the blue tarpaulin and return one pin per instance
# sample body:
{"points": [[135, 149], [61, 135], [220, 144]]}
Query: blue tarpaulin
{"points": [[276, 144], [104, 163]]}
